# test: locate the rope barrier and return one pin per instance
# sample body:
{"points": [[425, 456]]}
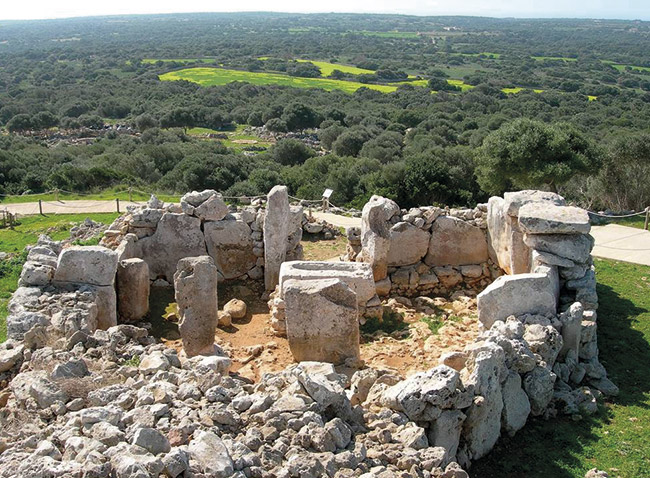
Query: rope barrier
{"points": [[617, 217]]}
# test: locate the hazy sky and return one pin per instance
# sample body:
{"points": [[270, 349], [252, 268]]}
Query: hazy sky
{"points": [[623, 9]]}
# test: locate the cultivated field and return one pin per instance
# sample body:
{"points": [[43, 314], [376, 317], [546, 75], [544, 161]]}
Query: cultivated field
{"points": [[222, 76]]}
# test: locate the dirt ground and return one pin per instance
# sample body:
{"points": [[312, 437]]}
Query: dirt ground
{"points": [[412, 337]]}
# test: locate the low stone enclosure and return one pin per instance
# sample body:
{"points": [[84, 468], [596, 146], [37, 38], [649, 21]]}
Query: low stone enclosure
{"points": [[90, 393]]}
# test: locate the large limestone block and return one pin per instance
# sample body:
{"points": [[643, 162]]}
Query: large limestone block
{"points": [[276, 231], [209, 455], [322, 320], [408, 244], [106, 300], [544, 218], [513, 201], [230, 245], [358, 276], [132, 289], [516, 406], [516, 295], [576, 247], [505, 239], [94, 265], [455, 242], [177, 236], [195, 284], [213, 209], [375, 234], [294, 228], [486, 370]]}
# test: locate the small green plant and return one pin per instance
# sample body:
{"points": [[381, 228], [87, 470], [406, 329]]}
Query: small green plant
{"points": [[172, 313], [390, 322], [93, 241], [435, 322], [134, 361]]}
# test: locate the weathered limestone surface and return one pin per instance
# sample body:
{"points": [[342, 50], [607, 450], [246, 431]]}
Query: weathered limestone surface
{"points": [[486, 370], [177, 236], [454, 242], [276, 230], [544, 218], [408, 244], [94, 265], [575, 247], [322, 320], [195, 284], [207, 205], [375, 234], [106, 306], [229, 243], [358, 276], [513, 201], [505, 239], [516, 295], [132, 289]]}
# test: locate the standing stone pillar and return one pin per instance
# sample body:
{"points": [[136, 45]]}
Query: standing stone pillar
{"points": [[375, 234], [276, 229], [195, 284], [132, 289]]}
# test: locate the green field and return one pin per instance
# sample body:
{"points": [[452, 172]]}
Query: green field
{"points": [[518, 89], [327, 68], [222, 76], [392, 34]]}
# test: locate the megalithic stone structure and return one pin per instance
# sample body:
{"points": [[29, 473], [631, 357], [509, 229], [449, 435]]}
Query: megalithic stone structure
{"points": [[276, 229]]}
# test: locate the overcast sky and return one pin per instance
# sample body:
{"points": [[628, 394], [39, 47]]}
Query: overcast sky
{"points": [[623, 9]]}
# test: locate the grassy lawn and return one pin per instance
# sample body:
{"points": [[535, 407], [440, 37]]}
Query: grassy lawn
{"points": [[27, 232], [120, 192], [617, 439], [223, 76]]}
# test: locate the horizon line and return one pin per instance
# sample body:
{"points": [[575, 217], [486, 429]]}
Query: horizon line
{"points": [[505, 17]]}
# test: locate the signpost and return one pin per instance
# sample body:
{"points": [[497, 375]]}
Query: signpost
{"points": [[326, 198]]}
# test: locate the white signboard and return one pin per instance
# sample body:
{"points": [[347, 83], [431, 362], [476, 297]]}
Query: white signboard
{"points": [[328, 193]]}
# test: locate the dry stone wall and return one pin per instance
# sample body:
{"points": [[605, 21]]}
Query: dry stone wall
{"points": [[426, 250], [165, 413]]}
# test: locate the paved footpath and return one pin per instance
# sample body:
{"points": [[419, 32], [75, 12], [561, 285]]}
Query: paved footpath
{"points": [[612, 241], [622, 243]]}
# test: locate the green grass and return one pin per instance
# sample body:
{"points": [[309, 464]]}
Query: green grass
{"points": [[435, 322], [327, 68], [57, 226], [621, 67], [120, 192], [617, 439], [518, 89], [390, 322], [391, 34], [14, 240], [553, 58], [222, 76]]}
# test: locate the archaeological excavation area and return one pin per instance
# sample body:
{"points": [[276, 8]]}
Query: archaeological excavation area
{"points": [[196, 341]]}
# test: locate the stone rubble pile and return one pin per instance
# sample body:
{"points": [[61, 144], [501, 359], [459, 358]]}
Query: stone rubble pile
{"points": [[426, 250], [90, 398]]}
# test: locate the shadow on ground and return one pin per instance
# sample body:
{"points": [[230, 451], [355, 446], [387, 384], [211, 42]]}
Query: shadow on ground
{"points": [[564, 448]]}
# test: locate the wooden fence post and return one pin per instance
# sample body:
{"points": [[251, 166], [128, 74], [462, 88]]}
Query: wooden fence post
{"points": [[117, 201], [647, 213], [130, 194], [56, 194], [40, 207]]}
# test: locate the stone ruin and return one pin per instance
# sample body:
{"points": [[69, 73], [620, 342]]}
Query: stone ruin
{"points": [[90, 394]]}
